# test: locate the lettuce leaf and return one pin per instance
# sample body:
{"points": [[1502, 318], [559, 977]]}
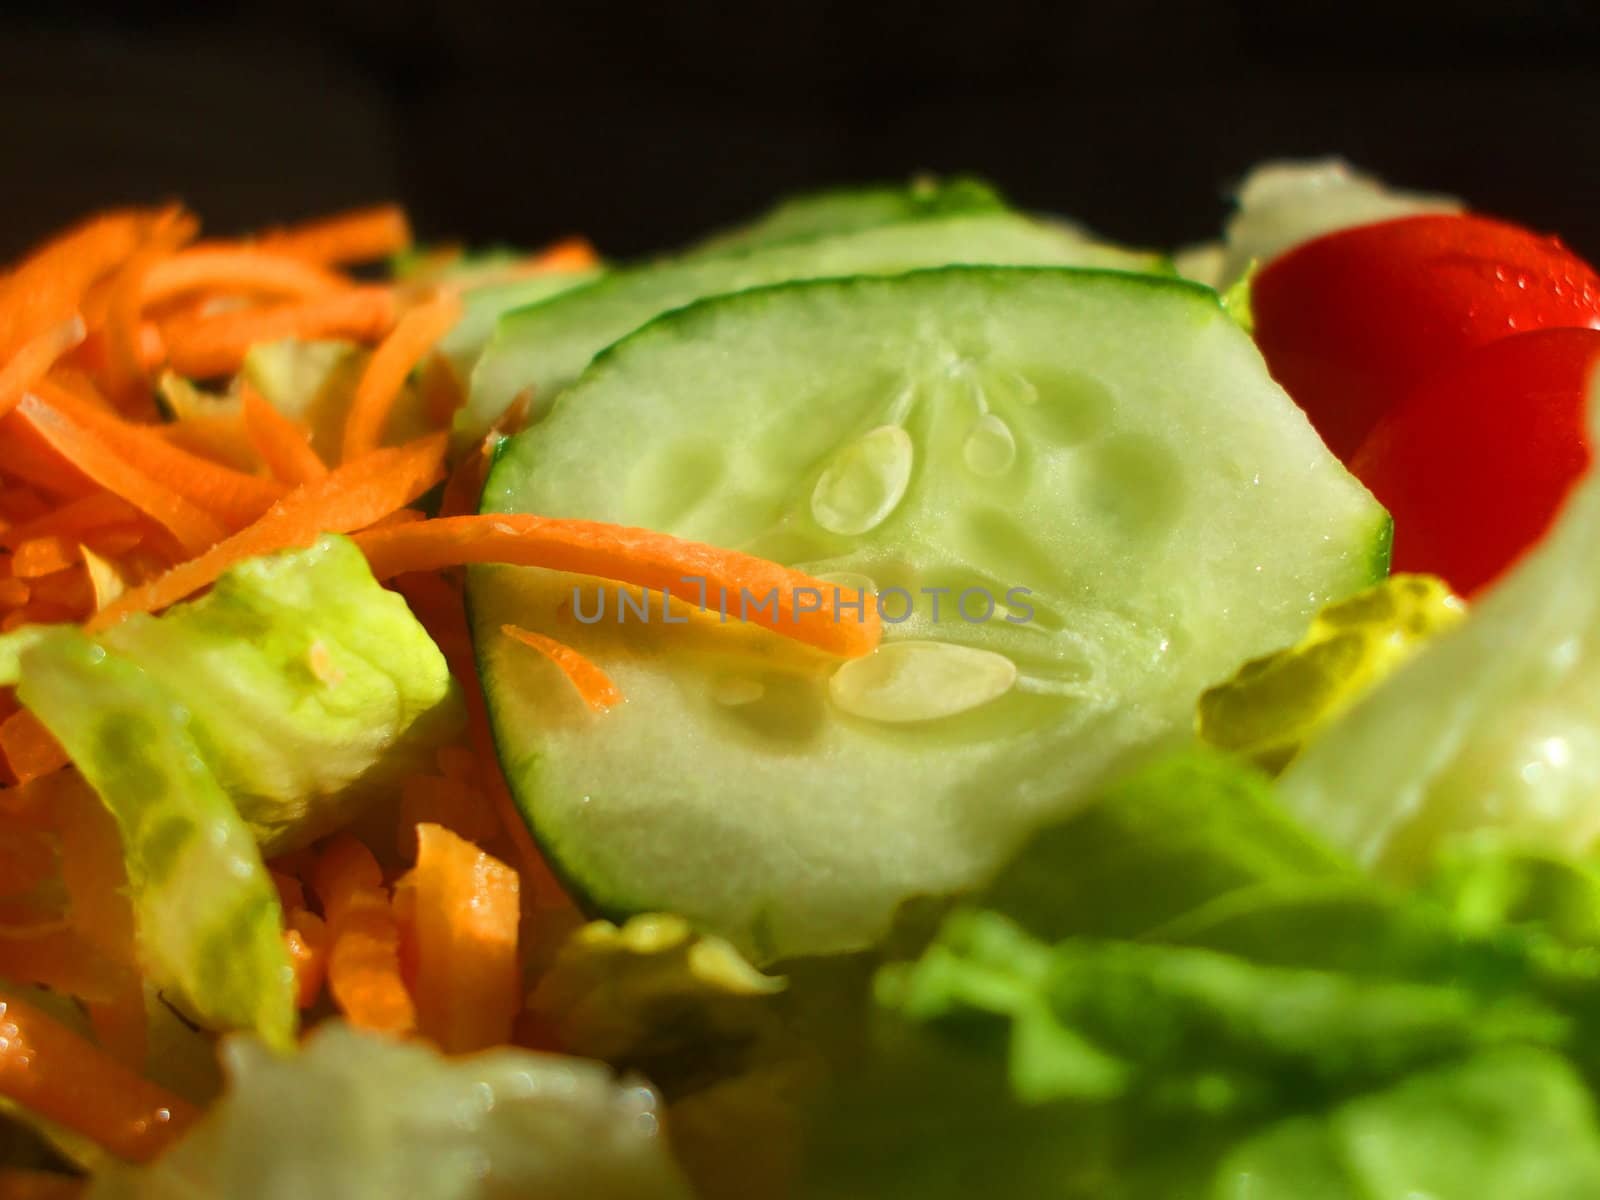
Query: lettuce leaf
{"points": [[1267, 1023], [209, 922], [310, 689], [358, 1117], [1274, 704]]}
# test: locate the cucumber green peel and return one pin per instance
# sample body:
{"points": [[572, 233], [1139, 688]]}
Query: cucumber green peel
{"points": [[1101, 455], [546, 346]]}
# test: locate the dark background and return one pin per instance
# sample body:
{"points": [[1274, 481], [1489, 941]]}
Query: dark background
{"points": [[642, 125]]}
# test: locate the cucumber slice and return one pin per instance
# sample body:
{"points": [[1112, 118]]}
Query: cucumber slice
{"points": [[1111, 442], [546, 346], [849, 209]]}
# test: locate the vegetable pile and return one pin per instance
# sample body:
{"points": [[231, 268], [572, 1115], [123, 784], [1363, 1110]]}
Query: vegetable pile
{"points": [[900, 698]]}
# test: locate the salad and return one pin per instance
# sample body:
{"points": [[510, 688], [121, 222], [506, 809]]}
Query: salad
{"points": [[900, 698]]}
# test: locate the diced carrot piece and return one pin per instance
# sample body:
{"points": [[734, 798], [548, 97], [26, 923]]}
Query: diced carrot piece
{"points": [[363, 968], [467, 911], [306, 937], [29, 747]]}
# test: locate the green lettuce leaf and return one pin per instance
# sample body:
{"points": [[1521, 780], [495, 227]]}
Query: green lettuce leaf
{"points": [[357, 1117], [209, 923], [1276, 703], [309, 688], [1178, 995]]}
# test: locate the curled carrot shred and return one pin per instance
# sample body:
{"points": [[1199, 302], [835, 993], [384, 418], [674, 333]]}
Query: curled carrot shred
{"points": [[34, 358], [592, 683], [282, 444], [204, 345], [637, 556], [361, 235], [363, 957]]}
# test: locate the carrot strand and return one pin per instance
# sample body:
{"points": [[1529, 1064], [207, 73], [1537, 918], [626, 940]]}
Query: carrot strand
{"points": [[362, 235], [228, 270], [194, 528], [231, 496], [385, 375], [349, 498], [205, 345], [592, 683], [282, 444], [51, 1070], [34, 358], [772, 594]]}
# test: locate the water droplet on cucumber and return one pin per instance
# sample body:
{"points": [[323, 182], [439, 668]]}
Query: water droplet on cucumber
{"points": [[990, 447], [864, 482], [920, 681]]}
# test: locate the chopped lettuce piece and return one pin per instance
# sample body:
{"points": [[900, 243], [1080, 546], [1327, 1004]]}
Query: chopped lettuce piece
{"points": [[1495, 726], [357, 1117], [308, 687], [1281, 204], [1154, 847], [649, 987], [1278, 1027], [1276, 703], [210, 926]]}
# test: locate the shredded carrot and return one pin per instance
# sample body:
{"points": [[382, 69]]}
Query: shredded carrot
{"points": [[51, 1070], [14, 593], [466, 917], [349, 498], [72, 520], [34, 461], [34, 358], [282, 444], [49, 285], [29, 747], [205, 345], [363, 235], [194, 528], [127, 371], [592, 683], [413, 336], [787, 602], [40, 556], [226, 270], [233, 497], [306, 938], [363, 967], [569, 254], [19, 1183]]}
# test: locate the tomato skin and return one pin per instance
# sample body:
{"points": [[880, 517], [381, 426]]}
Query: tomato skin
{"points": [[1474, 463], [1349, 323]]}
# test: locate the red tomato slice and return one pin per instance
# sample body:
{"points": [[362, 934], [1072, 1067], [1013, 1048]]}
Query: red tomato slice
{"points": [[1351, 322], [1476, 461]]}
